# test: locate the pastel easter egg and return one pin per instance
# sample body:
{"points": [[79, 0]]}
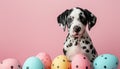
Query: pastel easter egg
{"points": [[46, 59], [106, 61], [60, 62], [10, 63], [33, 63], [80, 61]]}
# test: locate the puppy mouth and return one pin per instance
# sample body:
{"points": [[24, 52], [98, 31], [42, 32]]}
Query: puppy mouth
{"points": [[76, 35]]}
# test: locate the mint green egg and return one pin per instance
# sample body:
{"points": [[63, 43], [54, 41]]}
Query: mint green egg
{"points": [[33, 63]]}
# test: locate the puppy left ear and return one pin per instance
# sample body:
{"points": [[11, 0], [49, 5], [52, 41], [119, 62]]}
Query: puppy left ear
{"points": [[62, 18], [91, 18]]}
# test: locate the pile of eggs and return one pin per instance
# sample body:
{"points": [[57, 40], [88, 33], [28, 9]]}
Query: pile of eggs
{"points": [[79, 61]]}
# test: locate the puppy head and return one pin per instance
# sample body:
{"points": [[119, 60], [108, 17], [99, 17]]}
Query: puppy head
{"points": [[75, 20]]}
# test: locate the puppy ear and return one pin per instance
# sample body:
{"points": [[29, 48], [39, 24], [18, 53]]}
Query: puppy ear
{"points": [[91, 18], [62, 19]]}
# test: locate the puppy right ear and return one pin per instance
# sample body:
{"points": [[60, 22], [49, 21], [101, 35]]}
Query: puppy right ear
{"points": [[91, 18], [62, 19]]}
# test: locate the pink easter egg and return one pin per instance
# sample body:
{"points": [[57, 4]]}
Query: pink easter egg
{"points": [[80, 61], [10, 63], [46, 59]]}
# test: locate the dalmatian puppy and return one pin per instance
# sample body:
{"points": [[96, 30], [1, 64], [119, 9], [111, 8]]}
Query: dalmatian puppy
{"points": [[78, 40]]}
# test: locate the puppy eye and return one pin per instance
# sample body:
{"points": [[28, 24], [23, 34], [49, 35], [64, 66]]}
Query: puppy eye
{"points": [[70, 19], [83, 19]]}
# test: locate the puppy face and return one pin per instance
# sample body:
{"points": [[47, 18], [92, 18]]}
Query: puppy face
{"points": [[76, 20]]}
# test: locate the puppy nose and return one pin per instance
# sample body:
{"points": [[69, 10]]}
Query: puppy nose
{"points": [[77, 29]]}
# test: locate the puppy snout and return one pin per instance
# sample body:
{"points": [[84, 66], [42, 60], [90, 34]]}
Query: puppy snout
{"points": [[77, 29]]}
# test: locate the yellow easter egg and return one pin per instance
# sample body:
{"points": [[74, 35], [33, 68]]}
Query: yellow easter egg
{"points": [[60, 62]]}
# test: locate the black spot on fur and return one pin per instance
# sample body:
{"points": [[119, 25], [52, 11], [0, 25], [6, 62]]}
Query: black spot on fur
{"points": [[84, 47], [93, 51], [67, 37], [66, 40], [91, 46], [67, 46], [76, 38], [83, 37], [87, 51], [76, 43], [64, 51], [87, 42], [70, 45], [93, 55], [91, 60]]}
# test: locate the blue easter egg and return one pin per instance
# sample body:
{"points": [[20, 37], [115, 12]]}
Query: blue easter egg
{"points": [[106, 61], [33, 63]]}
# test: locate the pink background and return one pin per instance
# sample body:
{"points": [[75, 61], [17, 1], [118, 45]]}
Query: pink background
{"points": [[28, 27]]}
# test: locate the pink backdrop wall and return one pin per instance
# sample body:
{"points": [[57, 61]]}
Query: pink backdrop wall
{"points": [[28, 27]]}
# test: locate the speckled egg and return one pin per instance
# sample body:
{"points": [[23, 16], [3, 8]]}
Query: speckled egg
{"points": [[61, 62], [46, 59], [80, 61], [106, 61], [10, 63], [33, 63]]}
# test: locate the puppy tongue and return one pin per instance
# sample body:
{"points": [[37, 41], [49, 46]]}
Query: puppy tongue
{"points": [[76, 35]]}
